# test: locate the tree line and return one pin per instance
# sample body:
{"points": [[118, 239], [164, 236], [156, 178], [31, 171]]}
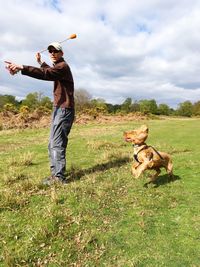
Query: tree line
{"points": [[86, 104]]}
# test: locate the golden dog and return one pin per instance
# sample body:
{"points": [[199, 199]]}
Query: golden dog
{"points": [[146, 157]]}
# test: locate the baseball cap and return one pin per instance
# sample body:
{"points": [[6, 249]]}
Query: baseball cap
{"points": [[56, 45]]}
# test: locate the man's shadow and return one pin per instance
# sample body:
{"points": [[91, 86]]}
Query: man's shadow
{"points": [[162, 180], [76, 174]]}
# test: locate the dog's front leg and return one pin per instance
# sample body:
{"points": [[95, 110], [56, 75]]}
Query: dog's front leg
{"points": [[140, 169], [134, 167], [136, 164]]}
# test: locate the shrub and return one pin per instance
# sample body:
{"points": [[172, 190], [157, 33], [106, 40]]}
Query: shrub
{"points": [[10, 108]]}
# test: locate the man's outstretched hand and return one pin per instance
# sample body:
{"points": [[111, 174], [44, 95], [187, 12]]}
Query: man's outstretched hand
{"points": [[13, 68]]}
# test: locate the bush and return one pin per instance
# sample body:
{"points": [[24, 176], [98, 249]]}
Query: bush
{"points": [[10, 108], [24, 112]]}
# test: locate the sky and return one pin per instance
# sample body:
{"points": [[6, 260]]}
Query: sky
{"points": [[147, 49]]}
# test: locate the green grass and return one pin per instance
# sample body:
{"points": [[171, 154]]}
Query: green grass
{"points": [[103, 217]]}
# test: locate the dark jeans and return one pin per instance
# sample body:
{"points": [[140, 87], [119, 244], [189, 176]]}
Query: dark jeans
{"points": [[62, 120]]}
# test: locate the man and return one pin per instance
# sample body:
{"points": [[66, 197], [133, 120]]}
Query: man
{"points": [[63, 110]]}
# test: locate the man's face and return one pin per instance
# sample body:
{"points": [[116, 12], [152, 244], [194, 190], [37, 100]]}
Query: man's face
{"points": [[55, 55]]}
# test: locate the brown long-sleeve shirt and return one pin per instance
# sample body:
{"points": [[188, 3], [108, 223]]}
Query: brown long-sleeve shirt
{"points": [[60, 73]]}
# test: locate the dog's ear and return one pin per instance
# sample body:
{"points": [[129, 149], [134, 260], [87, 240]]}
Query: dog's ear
{"points": [[142, 137], [142, 134], [144, 128]]}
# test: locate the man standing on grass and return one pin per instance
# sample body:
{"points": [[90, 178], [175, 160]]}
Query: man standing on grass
{"points": [[63, 106]]}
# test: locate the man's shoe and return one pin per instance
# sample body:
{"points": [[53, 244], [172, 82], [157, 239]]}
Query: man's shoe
{"points": [[47, 180], [60, 180], [53, 180]]}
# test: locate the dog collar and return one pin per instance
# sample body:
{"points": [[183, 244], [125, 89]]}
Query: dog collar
{"points": [[136, 145]]}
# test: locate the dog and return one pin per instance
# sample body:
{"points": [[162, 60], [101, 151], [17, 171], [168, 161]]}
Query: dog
{"points": [[146, 157]]}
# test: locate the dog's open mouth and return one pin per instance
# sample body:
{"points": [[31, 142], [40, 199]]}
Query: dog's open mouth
{"points": [[128, 139]]}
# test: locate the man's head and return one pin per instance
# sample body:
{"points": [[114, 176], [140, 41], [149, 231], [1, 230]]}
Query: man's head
{"points": [[55, 51]]}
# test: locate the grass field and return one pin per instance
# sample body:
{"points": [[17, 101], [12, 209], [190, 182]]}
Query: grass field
{"points": [[103, 216]]}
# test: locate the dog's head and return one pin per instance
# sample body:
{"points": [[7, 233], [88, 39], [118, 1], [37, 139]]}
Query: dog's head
{"points": [[137, 136]]}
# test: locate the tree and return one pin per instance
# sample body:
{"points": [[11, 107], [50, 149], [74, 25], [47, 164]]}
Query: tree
{"points": [[110, 108], [99, 105], [196, 108], [185, 109], [82, 99], [126, 105], [36, 100], [115, 108], [148, 106], [46, 102], [135, 107], [8, 99], [163, 109], [31, 100]]}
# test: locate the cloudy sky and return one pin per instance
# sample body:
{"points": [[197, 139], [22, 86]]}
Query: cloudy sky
{"points": [[147, 49]]}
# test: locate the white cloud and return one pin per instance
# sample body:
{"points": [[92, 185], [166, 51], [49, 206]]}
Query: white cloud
{"points": [[125, 48]]}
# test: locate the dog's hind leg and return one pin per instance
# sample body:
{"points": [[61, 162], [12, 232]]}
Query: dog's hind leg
{"points": [[169, 168]]}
